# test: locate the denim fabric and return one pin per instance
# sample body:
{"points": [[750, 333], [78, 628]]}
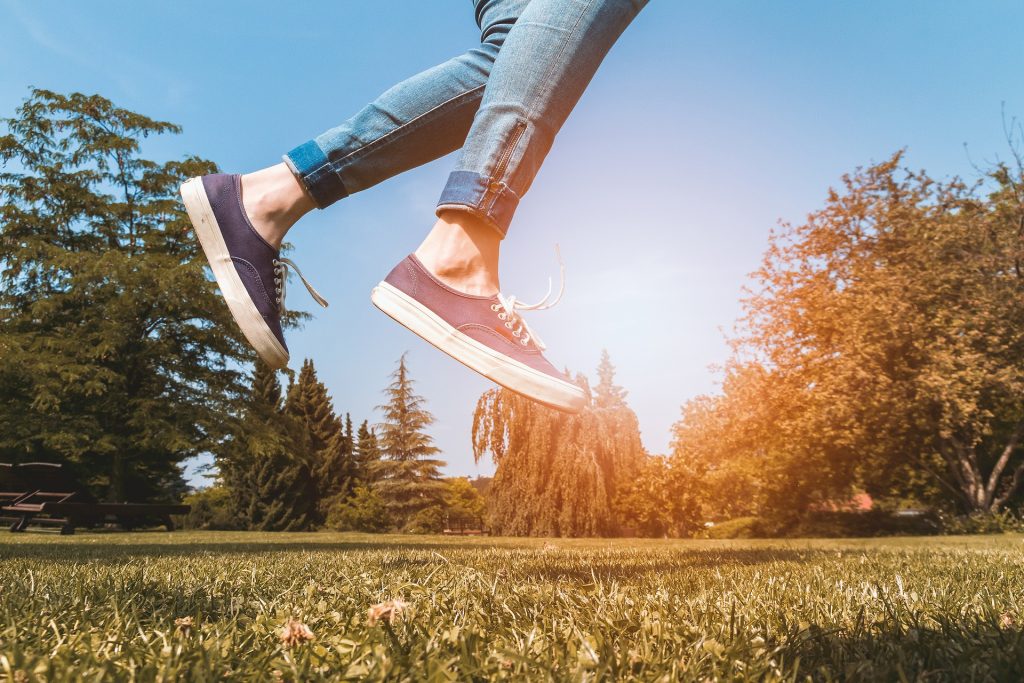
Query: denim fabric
{"points": [[503, 102]]}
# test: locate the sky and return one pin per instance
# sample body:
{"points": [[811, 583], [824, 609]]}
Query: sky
{"points": [[707, 124]]}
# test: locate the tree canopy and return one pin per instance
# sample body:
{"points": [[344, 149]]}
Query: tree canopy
{"points": [[117, 356], [882, 348], [557, 474]]}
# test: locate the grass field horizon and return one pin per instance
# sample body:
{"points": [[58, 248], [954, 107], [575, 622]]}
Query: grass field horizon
{"points": [[201, 605]]}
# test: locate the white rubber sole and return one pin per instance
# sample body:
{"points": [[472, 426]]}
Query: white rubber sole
{"points": [[242, 308], [493, 365]]}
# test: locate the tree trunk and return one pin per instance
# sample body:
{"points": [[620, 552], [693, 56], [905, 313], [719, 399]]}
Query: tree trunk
{"points": [[115, 492], [979, 492]]}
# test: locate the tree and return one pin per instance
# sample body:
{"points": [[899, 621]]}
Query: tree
{"points": [[367, 454], [212, 508], [117, 356], [738, 446], [363, 510], [309, 401], [882, 346], [338, 464], [557, 474], [463, 505], [407, 478], [607, 394], [330, 440], [268, 464], [664, 498]]}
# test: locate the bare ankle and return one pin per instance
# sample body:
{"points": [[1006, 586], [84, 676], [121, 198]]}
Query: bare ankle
{"points": [[274, 201], [462, 252]]}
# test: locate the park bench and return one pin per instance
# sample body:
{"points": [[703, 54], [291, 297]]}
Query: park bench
{"points": [[55, 497], [12, 489]]}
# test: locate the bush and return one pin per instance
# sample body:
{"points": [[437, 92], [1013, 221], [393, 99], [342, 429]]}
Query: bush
{"points": [[983, 523], [364, 510], [864, 524], [833, 524], [211, 509], [429, 520], [741, 527]]}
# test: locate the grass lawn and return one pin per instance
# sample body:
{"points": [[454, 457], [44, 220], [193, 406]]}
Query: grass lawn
{"points": [[105, 605]]}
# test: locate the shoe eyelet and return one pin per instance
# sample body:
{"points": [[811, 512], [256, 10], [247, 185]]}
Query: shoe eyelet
{"points": [[508, 325], [501, 316], [495, 307], [516, 334], [524, 342]]}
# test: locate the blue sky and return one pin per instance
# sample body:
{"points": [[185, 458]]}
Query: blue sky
{"points": [[707, 124]]}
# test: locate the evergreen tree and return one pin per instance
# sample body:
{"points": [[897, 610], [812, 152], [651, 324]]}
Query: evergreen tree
{"points": [[363, 510], [607, 394], [337, 476], [117, 354], [267, 466], [309, 401], [330, 440], [367, 454], [407, 478]]}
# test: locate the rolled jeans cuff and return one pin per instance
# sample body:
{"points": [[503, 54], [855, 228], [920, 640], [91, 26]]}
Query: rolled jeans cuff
{"points": [[315, 173], [493, 202]]}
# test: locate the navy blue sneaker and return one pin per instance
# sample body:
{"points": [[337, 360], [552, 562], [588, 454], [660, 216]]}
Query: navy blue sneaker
{"points": [[250, 273], [484, 333]]}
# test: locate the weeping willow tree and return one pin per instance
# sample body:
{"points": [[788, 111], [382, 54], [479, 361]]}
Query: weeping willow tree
{"points": [[557, 474]]}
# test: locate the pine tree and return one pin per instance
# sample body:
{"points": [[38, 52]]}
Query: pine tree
{"points": [[367, 454], [117, 354], [337, 475], [309, 401], [607, 394], [408, 479], [267, 466], [330, 440]]}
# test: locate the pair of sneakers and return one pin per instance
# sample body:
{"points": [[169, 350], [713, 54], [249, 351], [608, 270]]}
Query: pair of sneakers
{"points": [[485, 333]]}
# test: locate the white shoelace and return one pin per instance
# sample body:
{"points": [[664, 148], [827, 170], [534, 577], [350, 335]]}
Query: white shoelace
{"points": [[507, 308], [281, 266]]}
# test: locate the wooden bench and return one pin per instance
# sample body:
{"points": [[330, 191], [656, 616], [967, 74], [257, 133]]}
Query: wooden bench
{"points": [[56, 498]]}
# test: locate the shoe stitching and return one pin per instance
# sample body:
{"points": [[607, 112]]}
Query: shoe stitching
{"points": [[240, 262]]}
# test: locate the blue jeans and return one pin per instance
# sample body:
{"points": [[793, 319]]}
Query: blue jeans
{"points": [[502, 102]]}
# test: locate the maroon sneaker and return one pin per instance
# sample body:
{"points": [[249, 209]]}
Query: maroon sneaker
{"points": [[484, 333]]}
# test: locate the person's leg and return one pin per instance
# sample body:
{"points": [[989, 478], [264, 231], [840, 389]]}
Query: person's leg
{"points": [[240, 221], [447, 291], [548, 59], [416, 121]]}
